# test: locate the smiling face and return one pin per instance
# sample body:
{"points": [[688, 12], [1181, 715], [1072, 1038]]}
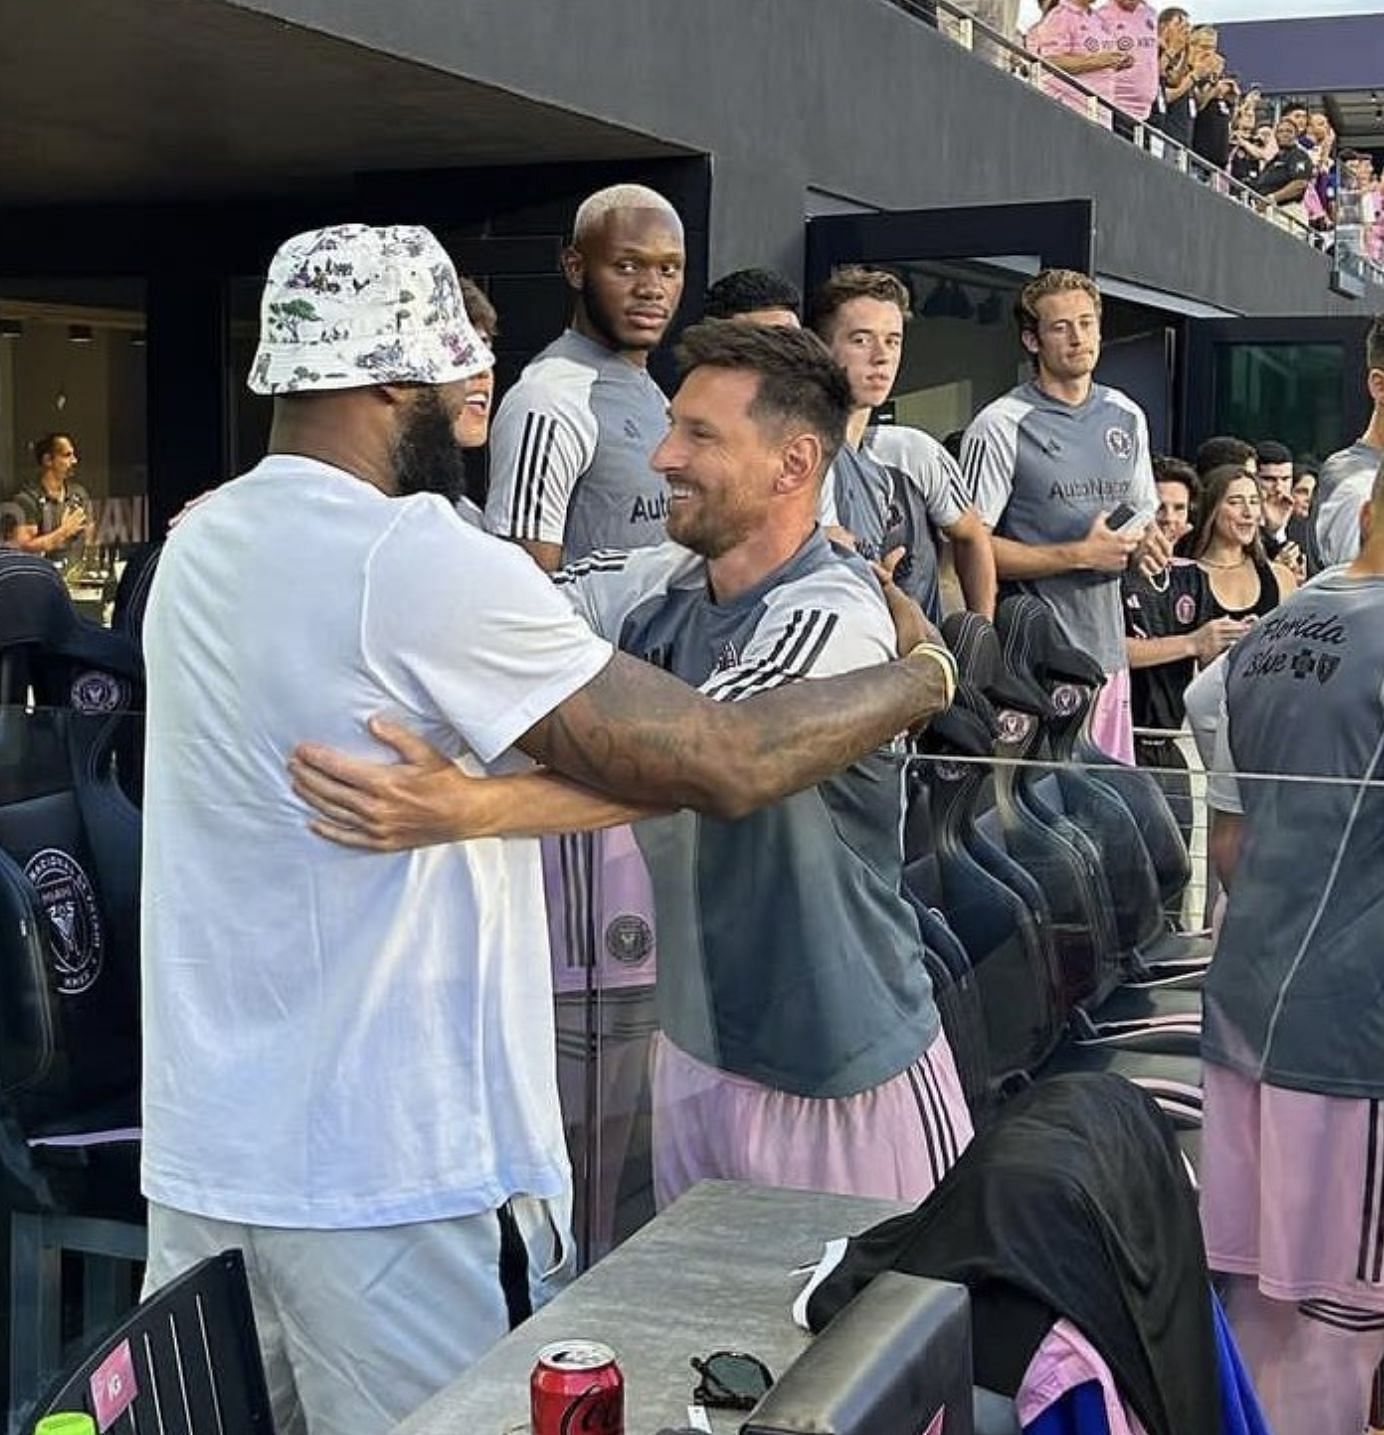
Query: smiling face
{"points": [[866, 339], [721, 463], [628, 270], [1237, 514], [474, 397], [1067, 342]]}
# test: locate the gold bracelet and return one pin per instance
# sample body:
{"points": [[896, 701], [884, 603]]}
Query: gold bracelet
{"points": [[944, 659]]}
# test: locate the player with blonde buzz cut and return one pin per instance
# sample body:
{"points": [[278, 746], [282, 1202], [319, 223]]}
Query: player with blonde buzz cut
{"points": [[611, 200], [570, 446]]}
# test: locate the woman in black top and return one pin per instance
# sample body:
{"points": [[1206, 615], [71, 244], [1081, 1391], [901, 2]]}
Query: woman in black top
{"points": [[1228, 548]]}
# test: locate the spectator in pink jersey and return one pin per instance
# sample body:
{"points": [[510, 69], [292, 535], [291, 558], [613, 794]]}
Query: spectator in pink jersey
{"points": [[1072, 38], [1132, 27]]}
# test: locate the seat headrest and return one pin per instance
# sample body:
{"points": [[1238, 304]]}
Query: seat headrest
{"points": [[1035, 646], [980, 662], [36, 611], [132, 592]]}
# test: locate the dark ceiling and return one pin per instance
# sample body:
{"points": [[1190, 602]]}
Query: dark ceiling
{"points": [[129, 100]]}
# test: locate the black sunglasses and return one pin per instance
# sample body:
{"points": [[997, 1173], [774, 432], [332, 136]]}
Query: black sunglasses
{"points": [[731, 1380]]}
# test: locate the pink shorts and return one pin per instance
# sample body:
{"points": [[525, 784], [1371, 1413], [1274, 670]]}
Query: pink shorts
{"points": [[895, 1141], [1292, 1190], [1112, 721]]}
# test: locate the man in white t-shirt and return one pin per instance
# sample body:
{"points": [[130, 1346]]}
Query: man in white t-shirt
{"points": [[349, 1066], [1347, 477]]}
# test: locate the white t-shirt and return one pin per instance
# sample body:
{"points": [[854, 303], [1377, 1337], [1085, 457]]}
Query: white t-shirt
{"points": [[336, 1038], [1205, 702]]}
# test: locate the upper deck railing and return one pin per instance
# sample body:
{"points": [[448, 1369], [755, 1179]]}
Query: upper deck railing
{"points": [[1352, 266]]}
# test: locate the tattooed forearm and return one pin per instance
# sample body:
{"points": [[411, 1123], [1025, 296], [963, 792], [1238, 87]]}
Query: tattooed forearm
{"points": [[640, 735]]}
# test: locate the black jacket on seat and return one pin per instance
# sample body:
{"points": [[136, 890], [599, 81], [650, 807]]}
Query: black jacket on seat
{"points": [[1073, 1203]]}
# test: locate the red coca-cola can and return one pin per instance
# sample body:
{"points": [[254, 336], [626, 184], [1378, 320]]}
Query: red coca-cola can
{"points": [[577, 1389]]}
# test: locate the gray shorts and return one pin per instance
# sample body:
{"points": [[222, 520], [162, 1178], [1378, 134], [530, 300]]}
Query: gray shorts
{"points": [[359, 1327]]}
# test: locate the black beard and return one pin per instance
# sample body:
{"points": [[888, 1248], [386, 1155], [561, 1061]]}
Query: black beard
{"points": [[427, 456]]}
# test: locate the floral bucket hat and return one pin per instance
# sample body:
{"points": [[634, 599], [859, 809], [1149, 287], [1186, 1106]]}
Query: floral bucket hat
{"points": [[352, 306]]}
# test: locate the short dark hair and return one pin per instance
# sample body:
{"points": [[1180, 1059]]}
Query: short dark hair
{"points": [[480, 311], [1175, 470], [855, 281], [1269, 450], [1374, 345], [1170, 13], [43, 449], [798, 378], [1223, 451], [743, 291]]}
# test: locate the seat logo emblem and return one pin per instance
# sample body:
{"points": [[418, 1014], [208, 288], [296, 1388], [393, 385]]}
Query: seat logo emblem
{"points": [[76, 941], [95, 693], [1014, 726]]}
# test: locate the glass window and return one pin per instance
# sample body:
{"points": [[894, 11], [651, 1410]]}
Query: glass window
{"points": [[72, 365], [1289, 392], [960, 348]]}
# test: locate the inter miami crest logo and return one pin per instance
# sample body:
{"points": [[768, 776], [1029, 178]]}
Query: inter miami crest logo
{"points": [[629, 939], [1118, 441], [74, 920], [949, 771], [1185, 609], [1014, 726], [1066, 699], [95, 693]]}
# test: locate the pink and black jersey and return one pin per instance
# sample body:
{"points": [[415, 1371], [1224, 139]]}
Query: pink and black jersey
{"points": [[1133, 31], [1069, 28]]}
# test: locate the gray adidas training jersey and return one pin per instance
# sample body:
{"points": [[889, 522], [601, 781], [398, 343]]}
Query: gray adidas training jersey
{"points": [[570, 450], [896, 491], [787, 951], [1295, 996], [1345, 482], [1039, 471]]}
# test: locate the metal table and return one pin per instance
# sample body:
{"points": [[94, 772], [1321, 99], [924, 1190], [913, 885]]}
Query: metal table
{"points": [[713, 1272]]}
